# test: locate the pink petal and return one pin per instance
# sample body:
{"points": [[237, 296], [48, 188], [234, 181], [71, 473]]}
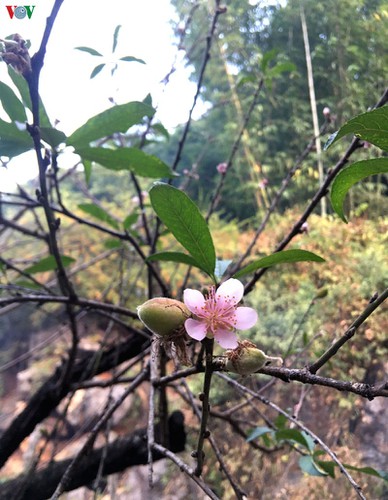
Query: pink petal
{"points": [[196, 329], [193, 299], [232, 290], [226, 338], [245, 317]]}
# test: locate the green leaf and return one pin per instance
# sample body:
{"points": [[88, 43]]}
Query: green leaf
{"points": [[246, 79], [327, 466], [350, 176], [96, 70], [112, 243], [160, 129], [132, 59], [259, 431], [12, 104], [13, 141], [267, 58], [28, 284], [89, 50], [183, 218], [115, 37], [308, 466], [130, 220], [283, 257], [368, 470], [292, 435], [132, 159], [179, 257], [117, 119], [371, 126], [280, 421], [48, 264], [98, 213], [280, 68], [87, 170], [52, 136], [21, 84]]}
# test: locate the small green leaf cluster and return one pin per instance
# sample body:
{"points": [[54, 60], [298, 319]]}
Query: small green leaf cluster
{"points": [[371, 127], [310, 461]]}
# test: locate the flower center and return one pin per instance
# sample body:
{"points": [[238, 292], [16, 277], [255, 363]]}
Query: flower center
{"points": [[218, 312]]}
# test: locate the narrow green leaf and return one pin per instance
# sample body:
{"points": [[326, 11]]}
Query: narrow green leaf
{"points": [[259, 431], [309, 440], [281, 421], [96, 70], [368, 470], [179, 257], [115, 37], [21, 84], [99, 213], [160, 129], [12, 104], [52, 136], [48, 264], [112, 243], [27, 284], [117, 119], [292, 435], [267, 58], [87, 170], [89, 50], [283, 257], [183, 218], [132, 159], [350, 176], [328, 467], [371, 126], [246, 79], [132, 59], [13, 141], [130, 220], [280, 68], [307, 464]]}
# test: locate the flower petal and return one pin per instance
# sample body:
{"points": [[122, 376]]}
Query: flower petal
{"points": [[245, 317], [226, 338], [231, 291], [196, 329], [193, 299]]}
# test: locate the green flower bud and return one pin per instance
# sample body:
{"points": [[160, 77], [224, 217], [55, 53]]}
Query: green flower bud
{"points": [[247, 359], [163, 316], [321, 293]]}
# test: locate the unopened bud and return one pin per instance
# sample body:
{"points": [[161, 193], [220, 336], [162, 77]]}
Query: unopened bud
{"points": [[321, 293], [163, 316], [247, 359]]}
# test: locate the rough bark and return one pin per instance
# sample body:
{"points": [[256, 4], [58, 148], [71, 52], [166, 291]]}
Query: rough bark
{"points": [[51, 393], [122, 453]]}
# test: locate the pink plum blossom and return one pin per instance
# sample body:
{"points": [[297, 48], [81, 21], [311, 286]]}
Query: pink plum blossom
{"points": [[222, 168], [217, 315]]}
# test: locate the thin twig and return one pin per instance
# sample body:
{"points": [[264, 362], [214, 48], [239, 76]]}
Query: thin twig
{"points": [[96, 429], [301, 426], [209, 345], [372, 306], [295, 230], [185, 468]]}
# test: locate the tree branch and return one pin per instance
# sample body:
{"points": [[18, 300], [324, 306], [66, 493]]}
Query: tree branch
{"points": [[122, 453]]}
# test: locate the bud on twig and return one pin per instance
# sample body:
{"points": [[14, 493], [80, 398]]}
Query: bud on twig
{"points": [[165, 318], [247, 359]]}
